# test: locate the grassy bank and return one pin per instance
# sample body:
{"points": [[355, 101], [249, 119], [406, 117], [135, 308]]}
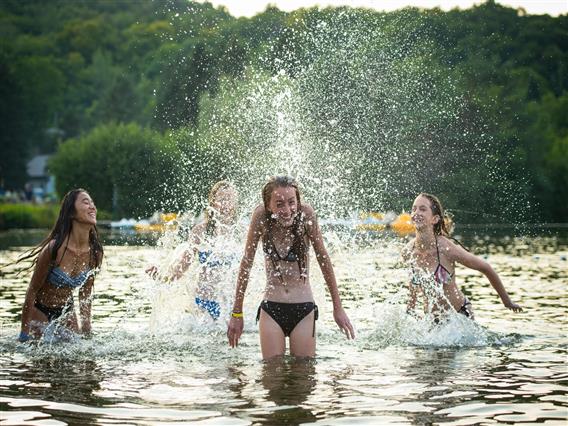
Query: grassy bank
{"points": [[26, 216]]}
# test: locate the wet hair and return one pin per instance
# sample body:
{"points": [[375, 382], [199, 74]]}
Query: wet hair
{"points": [[445, 225], [298, 244], [210, 219], [62, 229]]}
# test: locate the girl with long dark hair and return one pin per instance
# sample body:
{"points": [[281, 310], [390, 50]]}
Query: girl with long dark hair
{"points": [[286, 227], [66, 260], [433, 254]]}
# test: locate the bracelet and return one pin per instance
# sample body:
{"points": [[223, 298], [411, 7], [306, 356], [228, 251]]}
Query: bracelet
{"points": [[237, 314]]}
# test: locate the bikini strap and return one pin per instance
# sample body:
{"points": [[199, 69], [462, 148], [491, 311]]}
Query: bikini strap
{"points": [[315, 318], [437, 250], [258, 312], [64, 251]]}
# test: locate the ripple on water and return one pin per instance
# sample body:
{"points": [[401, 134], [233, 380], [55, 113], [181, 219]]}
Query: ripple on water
{"points": [[177, 366]]}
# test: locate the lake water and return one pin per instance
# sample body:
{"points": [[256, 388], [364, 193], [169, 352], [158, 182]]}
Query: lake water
{"points": [[154, 359]]}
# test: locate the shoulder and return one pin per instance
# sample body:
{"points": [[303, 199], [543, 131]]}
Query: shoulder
{"points": [[48, 250], [199, 229], [447, 246], [45, 255], [309, 219], [308, 212], [258, 219], [49, 246], [258, 214]]}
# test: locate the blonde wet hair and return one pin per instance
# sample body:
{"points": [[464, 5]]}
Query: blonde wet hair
{"points": [[210, 220]]}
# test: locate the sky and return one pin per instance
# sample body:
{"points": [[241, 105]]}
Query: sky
{"points": [[250, 8]]}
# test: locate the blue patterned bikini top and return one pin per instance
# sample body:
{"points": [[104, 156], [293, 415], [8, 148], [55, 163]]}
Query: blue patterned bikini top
{"points": [[58, 278], [208, 259]]}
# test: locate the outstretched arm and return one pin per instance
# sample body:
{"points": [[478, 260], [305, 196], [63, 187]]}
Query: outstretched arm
{"points": [[467, 259], [236, 322], [181, 264], [314, 233]]}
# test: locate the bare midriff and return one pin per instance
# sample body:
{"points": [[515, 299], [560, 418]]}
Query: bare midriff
{"points": [[291, 287]]}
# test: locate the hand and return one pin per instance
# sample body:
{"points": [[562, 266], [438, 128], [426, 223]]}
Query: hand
{"points": [[175, 275], [343, 322], [235, 330], [513, 306], [152, 271], [24, 337]]}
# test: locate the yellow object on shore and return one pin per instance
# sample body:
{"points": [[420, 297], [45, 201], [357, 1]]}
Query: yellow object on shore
{"points": [[403, 225], [372, 221], [164, 222]]}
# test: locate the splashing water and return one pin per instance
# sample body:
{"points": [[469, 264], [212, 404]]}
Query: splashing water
{"points": [[364, 119], [354, 107]]}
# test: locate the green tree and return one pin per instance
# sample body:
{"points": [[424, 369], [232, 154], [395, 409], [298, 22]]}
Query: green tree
{"points": [[128, 170]]}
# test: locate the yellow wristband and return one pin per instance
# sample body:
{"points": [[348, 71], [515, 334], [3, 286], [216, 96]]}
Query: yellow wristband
{"points": [[237, 314]]}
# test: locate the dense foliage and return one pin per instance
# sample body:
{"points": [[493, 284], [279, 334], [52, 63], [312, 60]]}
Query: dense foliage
{"points": [[135, 98]]}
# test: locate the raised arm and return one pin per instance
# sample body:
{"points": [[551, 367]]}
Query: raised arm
{"points": [[459, 254], [316, 238], [236, 323], [39, 277], [182, 263]]}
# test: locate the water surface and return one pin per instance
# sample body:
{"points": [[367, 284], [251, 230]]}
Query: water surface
{"points": [[154, 359]]}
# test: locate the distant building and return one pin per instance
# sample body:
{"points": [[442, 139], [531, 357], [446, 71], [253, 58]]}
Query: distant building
{"points": [[42, 182]]}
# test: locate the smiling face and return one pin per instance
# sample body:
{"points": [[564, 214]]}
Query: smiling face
{"points": [[225, 201], [422, 215], [284, 205], [85, 210]]}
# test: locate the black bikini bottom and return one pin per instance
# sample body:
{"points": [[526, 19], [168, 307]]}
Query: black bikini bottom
{"points": [[288, 315], [53, 313], [464, 310]]}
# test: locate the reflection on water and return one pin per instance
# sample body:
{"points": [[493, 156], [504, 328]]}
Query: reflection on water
{"points": [[288, 384], [505, 368]]}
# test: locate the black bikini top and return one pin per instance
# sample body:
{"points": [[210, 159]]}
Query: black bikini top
{"points": [[271, 253], [441, 274], [270, 250]]}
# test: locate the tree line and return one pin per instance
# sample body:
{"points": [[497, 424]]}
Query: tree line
{"points": [[146, 100]]}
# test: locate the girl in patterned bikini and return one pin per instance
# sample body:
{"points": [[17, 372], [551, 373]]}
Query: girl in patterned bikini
{"points": [[432, 255], [66, 260], [286, 227], [207, 248]]}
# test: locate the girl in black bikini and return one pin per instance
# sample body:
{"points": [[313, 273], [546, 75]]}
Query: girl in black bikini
{"points": [[66, 260], [432, 256], [286, 227]]}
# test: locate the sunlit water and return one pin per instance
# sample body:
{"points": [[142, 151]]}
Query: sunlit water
{"points": [[155, 359]]}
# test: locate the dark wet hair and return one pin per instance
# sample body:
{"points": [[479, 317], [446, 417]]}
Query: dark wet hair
{"points": [[210, 219], [298, 245], [445, 225], [62, 229]]}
